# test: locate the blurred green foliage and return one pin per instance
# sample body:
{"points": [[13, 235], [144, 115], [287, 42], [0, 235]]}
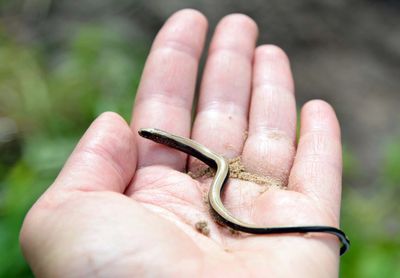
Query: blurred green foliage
{"points": [[52, 102], [370, 216], [391, 169]]}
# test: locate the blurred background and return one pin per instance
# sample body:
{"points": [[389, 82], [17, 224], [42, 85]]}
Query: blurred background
{"points": [[64, 62]]}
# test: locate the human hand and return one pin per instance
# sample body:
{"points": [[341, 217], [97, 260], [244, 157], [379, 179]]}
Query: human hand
{"points": [[122, 205]]}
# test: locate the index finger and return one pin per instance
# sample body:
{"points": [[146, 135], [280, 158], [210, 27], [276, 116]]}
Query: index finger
{"points": [[165, 95]]}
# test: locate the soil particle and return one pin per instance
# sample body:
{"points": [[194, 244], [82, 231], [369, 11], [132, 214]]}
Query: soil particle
{"points": [[245, 135], [233, 232], [202, 227]]}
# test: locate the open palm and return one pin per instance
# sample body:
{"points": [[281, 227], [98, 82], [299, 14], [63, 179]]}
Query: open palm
{"points": [[123, 206]]}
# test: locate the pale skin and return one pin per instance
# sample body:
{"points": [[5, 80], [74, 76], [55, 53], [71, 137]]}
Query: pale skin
{"points": [[123, 206]]}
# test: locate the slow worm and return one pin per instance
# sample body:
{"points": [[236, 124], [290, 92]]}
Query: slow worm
{"points": [[219, 163]]}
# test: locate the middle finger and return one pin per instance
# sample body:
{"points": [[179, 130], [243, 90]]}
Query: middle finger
{"points": [[222, 112]]}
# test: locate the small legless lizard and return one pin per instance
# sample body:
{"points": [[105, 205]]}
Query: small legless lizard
{"points": [[219, 163]]}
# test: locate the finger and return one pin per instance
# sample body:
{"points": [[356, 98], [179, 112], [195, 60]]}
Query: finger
{"points": [[221, 119], [270, 146], [104, 159], [317, 169], [165, 95]]}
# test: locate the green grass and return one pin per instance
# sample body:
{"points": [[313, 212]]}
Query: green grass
{"points": [[52, 100]]}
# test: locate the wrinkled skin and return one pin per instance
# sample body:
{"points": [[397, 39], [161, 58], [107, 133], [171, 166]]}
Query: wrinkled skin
{"points": [[123, 206]]}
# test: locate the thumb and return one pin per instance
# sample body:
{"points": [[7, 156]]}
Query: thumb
{"points": [[103, 160]]}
